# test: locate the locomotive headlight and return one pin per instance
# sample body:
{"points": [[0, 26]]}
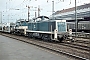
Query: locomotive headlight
{"points": [[56, 30]]}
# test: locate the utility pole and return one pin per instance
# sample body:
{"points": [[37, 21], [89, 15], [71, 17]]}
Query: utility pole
{"points": [[28, 12], [35, 12], [53, 9], [76, 19], [38, 10]]}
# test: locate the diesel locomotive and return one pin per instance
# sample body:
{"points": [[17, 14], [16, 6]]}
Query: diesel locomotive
{"points": [[47, 29]]}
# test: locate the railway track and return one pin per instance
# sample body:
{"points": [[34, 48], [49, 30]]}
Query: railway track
{"points": [[74, 45], [64, 48], [80, 41]]}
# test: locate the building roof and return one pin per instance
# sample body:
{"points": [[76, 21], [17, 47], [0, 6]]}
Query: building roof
{"points": [[72, 9]]}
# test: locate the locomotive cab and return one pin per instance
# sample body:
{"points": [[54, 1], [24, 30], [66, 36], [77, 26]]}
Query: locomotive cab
{"points": [[60, 33]]}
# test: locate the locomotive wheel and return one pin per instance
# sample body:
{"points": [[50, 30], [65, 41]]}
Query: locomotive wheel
{"points": [[61, 39]]}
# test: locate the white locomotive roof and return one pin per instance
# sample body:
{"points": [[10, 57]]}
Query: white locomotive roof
{"points": [[49, 21]]}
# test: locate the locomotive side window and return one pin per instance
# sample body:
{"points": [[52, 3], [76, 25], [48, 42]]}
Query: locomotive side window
{"points": [[24, 23]]}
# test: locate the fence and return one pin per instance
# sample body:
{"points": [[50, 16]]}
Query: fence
{"points": [[81, 35]]}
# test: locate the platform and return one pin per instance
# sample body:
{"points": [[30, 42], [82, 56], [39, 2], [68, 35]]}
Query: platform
{"points": [[11, 49]]}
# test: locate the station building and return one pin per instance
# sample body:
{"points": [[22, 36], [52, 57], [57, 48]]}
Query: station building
{"points": [[83, 11], [82, 15]]}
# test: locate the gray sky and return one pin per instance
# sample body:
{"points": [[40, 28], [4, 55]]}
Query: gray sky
{"points": [[7, 7]]}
